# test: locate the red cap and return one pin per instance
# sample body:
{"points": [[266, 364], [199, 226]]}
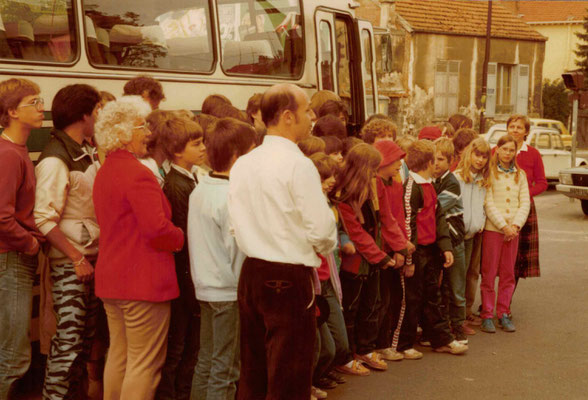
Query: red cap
{"points": [[430, 132], [390, 152]]}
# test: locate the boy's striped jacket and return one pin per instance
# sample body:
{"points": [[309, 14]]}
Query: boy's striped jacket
{"points": [[449, 197]]}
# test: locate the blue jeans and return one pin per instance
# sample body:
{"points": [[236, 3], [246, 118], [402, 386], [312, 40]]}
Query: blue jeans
{"points": [[454, 285], [217, 369], [17, 272]]}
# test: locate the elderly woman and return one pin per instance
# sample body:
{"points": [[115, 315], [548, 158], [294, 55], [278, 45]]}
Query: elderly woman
{"points": [[135, 274], [529, 160]]}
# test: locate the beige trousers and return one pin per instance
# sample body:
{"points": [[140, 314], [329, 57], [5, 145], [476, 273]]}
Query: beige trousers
{"points": [[138, 345]]}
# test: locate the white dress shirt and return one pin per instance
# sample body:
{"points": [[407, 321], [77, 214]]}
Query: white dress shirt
{"points": [[277, 208]]}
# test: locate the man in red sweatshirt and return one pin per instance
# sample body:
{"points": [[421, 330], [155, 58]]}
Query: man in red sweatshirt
{"points": [[21, 110]]}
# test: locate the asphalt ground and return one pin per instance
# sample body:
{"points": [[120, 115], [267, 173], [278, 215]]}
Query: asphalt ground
{"points": [[546, 358]]}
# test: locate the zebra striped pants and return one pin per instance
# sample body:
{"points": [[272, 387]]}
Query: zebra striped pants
{"points": [[75, 306]]}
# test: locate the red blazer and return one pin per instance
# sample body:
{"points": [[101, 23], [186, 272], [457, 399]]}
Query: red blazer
{"points": [[137, 237], [531, 162]]}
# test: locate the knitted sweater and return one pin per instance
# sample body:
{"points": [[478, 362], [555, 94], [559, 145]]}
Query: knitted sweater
{"points": [[507, 201]]}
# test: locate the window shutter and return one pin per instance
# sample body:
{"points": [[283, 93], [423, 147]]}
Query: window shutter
{"points": [[522, 99], [491, 90]]}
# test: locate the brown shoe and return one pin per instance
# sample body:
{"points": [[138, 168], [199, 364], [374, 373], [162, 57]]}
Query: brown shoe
{"points": [[353, 368], [372, 360], [473, 320], [467, 329]]}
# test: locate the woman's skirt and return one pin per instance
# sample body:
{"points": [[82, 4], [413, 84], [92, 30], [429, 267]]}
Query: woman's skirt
{"points": [[527, 265]]}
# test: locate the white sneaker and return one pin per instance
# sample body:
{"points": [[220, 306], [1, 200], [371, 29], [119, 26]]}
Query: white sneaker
{"points": [[453, 348], [391, 355], [318, 393], [412, 354]]}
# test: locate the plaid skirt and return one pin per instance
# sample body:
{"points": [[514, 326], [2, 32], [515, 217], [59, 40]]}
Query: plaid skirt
{"points": [[527, 265]]}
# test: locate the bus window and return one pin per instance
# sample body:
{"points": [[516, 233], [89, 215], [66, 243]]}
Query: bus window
{"points": [[261, 37], [150, 34], [326, 49], [343, 63], [38, 31], [367, 63]]}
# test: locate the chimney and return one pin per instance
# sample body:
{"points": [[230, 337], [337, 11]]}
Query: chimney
{"points": [[387, 13]]}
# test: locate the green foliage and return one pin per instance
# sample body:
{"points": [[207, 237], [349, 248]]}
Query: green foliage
{"points": [[556, 104], [582, 52]]}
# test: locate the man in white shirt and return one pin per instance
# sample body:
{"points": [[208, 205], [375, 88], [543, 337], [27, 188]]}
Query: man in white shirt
{"points": [[281, 220]]}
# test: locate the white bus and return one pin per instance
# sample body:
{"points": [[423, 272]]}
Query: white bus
{"points": [[193, 47]]}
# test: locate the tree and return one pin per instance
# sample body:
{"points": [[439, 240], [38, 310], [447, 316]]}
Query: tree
{"points": [[556, 104], [582, 52]]}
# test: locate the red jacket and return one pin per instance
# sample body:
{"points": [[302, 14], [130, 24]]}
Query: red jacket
{"points": [[531, 162], [137, 237], [365, 243]]}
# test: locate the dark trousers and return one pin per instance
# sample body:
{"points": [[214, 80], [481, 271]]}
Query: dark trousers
{"points": [[333, 346], [361, 309], [278, 330], [182, 349], [423, 295], [391, 298]]}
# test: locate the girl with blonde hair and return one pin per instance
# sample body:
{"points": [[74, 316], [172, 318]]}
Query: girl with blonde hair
{"points": [[473, 175]]}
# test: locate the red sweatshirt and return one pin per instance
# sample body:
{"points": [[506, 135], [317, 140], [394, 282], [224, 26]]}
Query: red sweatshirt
{"points": [[529, 159], [17, 199]]}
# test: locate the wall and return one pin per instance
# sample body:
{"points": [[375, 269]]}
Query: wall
{"points": [[428, 48], [559, 49]]}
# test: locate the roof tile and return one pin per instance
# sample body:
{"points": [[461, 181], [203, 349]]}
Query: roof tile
{"points": [[548, 11], [464, 17]]}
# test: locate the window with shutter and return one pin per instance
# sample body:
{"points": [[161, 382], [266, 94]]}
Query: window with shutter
{"points": [[522, 99], [446, 88], [491, 90]]}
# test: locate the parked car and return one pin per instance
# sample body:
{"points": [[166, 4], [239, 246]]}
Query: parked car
{"points": [[549, 143], [554, 124], [573, 182]]}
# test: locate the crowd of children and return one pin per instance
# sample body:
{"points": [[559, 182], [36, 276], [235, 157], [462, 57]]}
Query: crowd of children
{"points": [[418, 220]]}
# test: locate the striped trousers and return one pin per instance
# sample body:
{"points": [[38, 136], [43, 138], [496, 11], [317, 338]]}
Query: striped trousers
{"points": [[75, 306]]}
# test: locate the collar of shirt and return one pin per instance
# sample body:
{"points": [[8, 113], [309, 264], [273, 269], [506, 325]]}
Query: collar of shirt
{"points": [[419, 179], [512, 168], [524, 147], [75, 150], [183, 171], [440, 179], [282, 142]]}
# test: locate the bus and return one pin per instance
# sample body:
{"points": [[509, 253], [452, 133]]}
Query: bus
{"points": [[193, 47]]}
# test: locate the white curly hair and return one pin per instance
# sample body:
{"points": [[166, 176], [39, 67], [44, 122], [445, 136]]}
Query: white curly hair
{"points": [[114, 126]]}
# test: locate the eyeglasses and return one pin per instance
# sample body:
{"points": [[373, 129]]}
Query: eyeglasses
{"points": [[38, 103]]}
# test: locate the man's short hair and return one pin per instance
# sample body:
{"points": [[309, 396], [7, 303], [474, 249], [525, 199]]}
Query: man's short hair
{"points": [[230, 137], [519, 117], [378, 128], [138, 85], [444, 145], [12, 91], [419, 155], [329, 125], [274, 103], [72, 103], [175, 132]]}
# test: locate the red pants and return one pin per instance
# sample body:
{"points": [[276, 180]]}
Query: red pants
{"points": [[498, 259]]}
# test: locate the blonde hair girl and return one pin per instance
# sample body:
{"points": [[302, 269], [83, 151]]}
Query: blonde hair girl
{"points": [[472, 156]]}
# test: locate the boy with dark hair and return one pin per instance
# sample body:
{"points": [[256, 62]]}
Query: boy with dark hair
{"points": [[21, 110], [148, 88], [64, 213], [449, 197], [182, 143], [429, 233], [329, 125], [215, 262]]}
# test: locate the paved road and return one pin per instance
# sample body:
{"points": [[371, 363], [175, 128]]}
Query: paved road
{"points": [[547, 358]]}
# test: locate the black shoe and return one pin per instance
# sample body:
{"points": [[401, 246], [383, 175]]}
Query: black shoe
{"points": [[325, 383], [340, 379]]}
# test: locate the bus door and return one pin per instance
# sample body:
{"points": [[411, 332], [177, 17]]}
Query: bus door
{"points": [[346, 63]]}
